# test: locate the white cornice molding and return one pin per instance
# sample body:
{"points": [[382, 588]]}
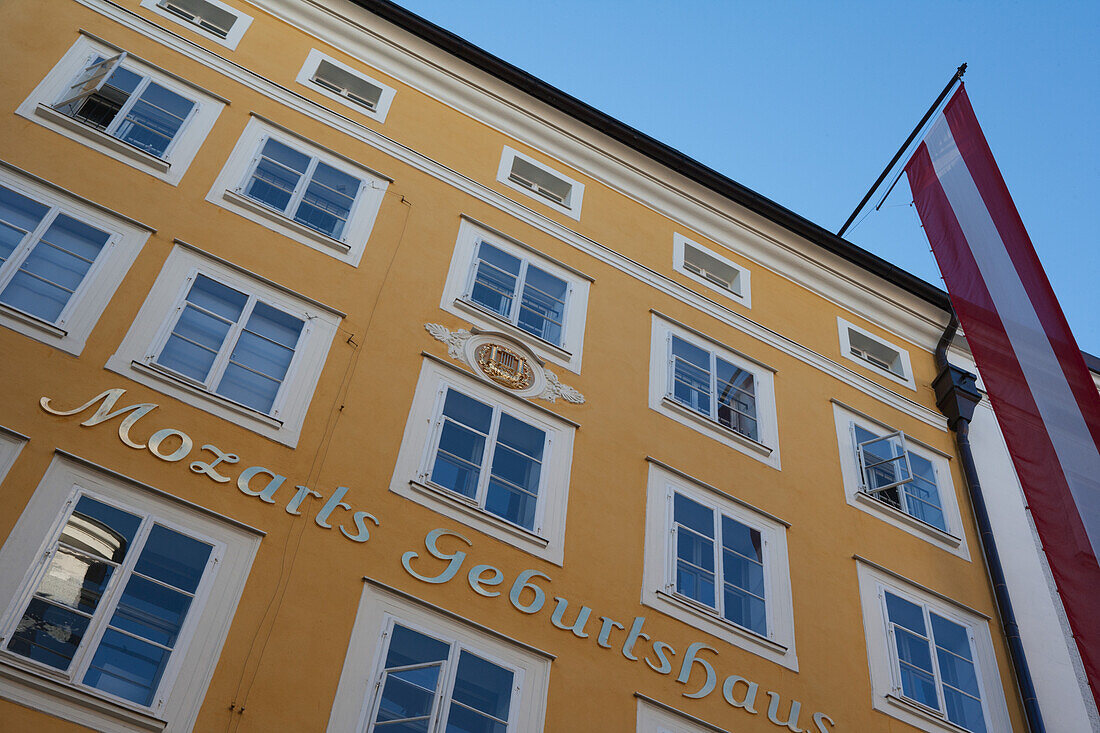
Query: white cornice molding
{"points": [[343, 30]]}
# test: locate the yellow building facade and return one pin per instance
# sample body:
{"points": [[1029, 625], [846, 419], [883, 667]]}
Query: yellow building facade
{"points": [[355, 380]]}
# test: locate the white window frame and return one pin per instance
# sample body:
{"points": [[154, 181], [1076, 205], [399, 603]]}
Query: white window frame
{"points": [[415, 458], [135, 357], [766, 447], [661, 718], [570, 207], [659, 575], [228, 192], [232, 37], [11, 444], [905, 377], [379, 608], [73, 327], [184, 682], [873, 582], [460, 275], [740, 294], [309, 71], [39, 108], [954, 539]]}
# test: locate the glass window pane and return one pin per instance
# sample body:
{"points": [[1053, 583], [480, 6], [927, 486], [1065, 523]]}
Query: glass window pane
{"points": [[913, 650], [408, 647], [495, 279], [194, 344], [49, 634], [277, 174], [483, 686], [248, 388], [691, 353], [19, 211], [151, 611], [458, 459], [909, 615], [211, 295], [124, 80], [746, 610], [964, 711], [745, 574], [520, 436], [127, 667], [695, 583], [154, 119], [741, 539], [403, 699], [516, 468], [464, 720], [35, 296], [276, 325], [693, 514], [327, 201], [261, 355], [468, 411], [100, 529], [511, 503], [75, 580], [173, 558], [542, 309]]}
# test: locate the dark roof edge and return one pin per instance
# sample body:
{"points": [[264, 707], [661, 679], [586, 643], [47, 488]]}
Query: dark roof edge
{"points": [[1092, 362], [654, 149]]}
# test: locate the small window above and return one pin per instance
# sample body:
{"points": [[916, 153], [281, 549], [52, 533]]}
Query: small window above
{"points": [[210, 18], [710, 269], [342, 83], [875, 354], [525, 174]]}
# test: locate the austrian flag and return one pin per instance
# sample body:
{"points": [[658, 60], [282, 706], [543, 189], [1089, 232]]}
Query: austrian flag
{"points": [[1045, 400]]}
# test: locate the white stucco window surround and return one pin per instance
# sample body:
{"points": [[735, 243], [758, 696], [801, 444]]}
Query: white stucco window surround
{"points": [[452, 648], [540, 182], [81, 562], [211, 19], [874, 353], [487, 459], [498, 283], [657, 717], [718, 564], [301, 190], [947, 679], [124, 107], [63, 258], [11, 443], [707, 267], [346, 85], [701, 383], [921, 499], [229, 342]]}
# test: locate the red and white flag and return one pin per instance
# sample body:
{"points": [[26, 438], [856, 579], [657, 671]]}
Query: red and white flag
{"points": [[1044, 398]]}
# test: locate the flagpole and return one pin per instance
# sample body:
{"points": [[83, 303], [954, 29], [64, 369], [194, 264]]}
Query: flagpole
{"points": [[904, 146]]}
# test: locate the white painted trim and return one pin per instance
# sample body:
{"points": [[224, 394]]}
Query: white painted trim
{"points": [[743, 292], [356, 694], [844, 284], [180, 152], [70, 332], [766, 448], [309, 69], [954, 539], [657, 717], [906, 377], [414, 460], [234, 34], [872, 581], [572, 203], [660, 561], [196, 653], [142, 342], [11, 444]]}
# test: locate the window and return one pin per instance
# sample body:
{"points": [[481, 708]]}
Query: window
{"points": [[124, 107], [211, 19], [873, 353], [702, 384], [11, 443], [60, 260], [486, 459], [899, 479], [122, 598], [711, 269], [249, 351], [656, 717], [304, 192], [343, 84], [503, 285], [718, 564], [523, 173], [932, 661], [410, 668]]}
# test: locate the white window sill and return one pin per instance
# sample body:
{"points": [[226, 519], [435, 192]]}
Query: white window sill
{"points": [[61, 699], [513, 330], [135, 154], [708, 424], [709, 614], [162, 375], [902, 379], [934, 533], [282, 220], [471, 509], [44, 326], [925, 713]]}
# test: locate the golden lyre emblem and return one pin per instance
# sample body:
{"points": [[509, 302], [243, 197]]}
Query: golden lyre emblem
{"points": [[504, 366]]}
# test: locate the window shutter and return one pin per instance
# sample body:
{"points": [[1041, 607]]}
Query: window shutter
{"points": [[91, 80]]}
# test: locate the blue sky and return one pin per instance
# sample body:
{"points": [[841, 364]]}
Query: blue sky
{"points": [[805, 102]]}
